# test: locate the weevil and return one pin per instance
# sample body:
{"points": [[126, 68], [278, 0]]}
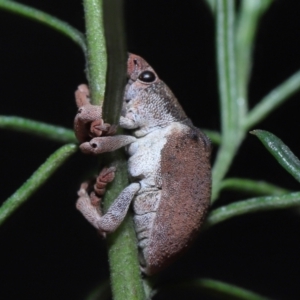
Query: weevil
{"points": [[168, 165]]}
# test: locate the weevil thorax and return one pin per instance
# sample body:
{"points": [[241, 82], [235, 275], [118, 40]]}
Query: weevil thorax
{"points": [[148, 102]]}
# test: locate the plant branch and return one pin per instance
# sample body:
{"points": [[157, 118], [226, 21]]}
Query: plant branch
{"points": [[252, 205], [211, 4], [247, 24], [102, 291], [271, 101], [253, 187], [117, 60], [43, 130], [126, 282], [230, 118], [37, 179], [46, 19], [226, 63], [122, 244], [218, 289], [96, 50], [214, 136]]}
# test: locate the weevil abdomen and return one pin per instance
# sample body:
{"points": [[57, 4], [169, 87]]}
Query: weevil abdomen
{"points": [[175, 192]]}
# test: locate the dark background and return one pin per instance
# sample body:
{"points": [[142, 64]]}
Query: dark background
{"points": [[48, 251]]}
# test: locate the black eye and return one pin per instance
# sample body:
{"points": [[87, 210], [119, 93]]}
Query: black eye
{"points": [[147, 76]]}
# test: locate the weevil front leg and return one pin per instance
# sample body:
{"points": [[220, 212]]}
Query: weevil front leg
{"points": [[116, 213], [106, 144], [88, 122]]}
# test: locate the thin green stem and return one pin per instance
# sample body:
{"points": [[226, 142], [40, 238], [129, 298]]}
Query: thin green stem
{"points": [[211, 4], [117, 59], [37, 179], [233, 82], [273, 100], [253, 187], [230, 118], [102, 291], [126, 282], [226, 63], [214, 136], [122, 244], [252, 205], [47, 131], [46, 19], [218, 289], [247, 24], [96, 52]]}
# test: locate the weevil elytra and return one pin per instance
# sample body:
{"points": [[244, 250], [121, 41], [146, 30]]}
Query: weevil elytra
{"points": [[168, 166]]}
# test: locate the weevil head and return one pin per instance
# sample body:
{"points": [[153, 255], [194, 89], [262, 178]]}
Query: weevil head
{"points": [[148, 102]]}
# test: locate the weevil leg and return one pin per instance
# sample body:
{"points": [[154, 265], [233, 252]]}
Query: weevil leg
{"points": [[98, 190], [99, 128], [82, 95], [88, 122], [106, 144], [89, 205]]}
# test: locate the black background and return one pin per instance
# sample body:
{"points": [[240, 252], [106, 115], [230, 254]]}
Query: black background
{"points": [[48, 251]]}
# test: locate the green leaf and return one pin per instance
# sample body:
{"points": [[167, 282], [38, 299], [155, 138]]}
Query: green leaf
{"points": [[280, 151], [43, 130], [225, 290], [46, 19], [37, 179], [272, 100], [216, 289], [252, 205], [252, 187]]}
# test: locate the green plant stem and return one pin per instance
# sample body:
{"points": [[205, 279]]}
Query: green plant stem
{"points": [[211, 4], [282, 153], [37, 179], [122, 244], [252, 205], [117, 59], [219, 289], [125, 277], [253, 187], [47, 131], [247, 24], [46, 19], [214, 136], [234, 48], [96, 50], [226, 64], [102, 291], [230, 118], [273, 100], [126, 282]]}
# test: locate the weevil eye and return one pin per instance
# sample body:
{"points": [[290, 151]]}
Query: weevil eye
{"points": [[147, 76]]}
